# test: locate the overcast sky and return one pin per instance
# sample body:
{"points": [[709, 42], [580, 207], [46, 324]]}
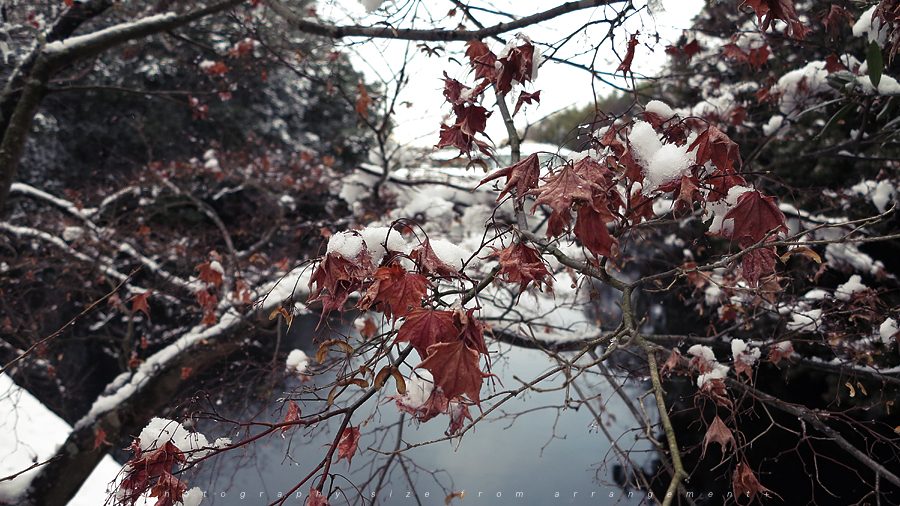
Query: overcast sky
{"points": [[418, 120]]}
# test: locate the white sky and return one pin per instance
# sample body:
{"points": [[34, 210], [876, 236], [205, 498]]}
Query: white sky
{"points": [[418, 119]]}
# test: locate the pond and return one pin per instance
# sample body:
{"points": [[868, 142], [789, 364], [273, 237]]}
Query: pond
{"points": [[533, 450]]}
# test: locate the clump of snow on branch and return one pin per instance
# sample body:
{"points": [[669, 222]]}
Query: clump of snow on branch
{"points": [[297, 361], [372, 5], [742, 352], [846, 290], [705, 360], [881, 193], [888, 331], [872, 29], [160, 431], [664, 163]]}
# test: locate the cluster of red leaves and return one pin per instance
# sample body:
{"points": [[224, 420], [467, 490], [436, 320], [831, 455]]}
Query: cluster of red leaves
{"points": [[754, 57], [767, 11], [206, 296], [449, 343], [152, 471], [471, 119], [592, 187]]}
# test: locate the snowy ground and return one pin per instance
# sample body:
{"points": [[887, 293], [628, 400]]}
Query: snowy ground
{"points": [[30, 433]]}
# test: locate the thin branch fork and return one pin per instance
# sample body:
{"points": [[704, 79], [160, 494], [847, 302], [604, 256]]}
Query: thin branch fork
{"points": [[388, 32], [813, 419]]}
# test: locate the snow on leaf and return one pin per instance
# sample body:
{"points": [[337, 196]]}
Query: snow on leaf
{"points": [[425, 327], [720, 433], [455, 369], [209, 274], [429, 263], [453, 91], [459, 413], [522, 176]]}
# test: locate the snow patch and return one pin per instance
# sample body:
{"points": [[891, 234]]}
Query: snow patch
{"points": [[853, 285]]}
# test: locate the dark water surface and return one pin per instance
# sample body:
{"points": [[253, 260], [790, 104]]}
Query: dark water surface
{"points": [[531, 451]]}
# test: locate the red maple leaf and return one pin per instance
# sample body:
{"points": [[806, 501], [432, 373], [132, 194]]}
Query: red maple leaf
{"points": [[100, 439], [720, 433], [522, 264], [768, 11], [168, 490], [517, 66], [395, 291], [691, 48], [755, 215], [424, 327], [210, 274], [593, 171], [481, 59], [454, 136], [471, 330], [472, 119], [625, 66], [560, 191], [734, 52], [522, 176], [759, 56], [435, 405], [459, 413], [336, 278], [527, 98], [833, 63], [746, 484], [316, 498], [688, 191], [834, 18], [348, 444], [292, 415], [139, 303], [758, 263], [455, 369], [429, 263], [362, 105], [721, 181], [453, 90], [590, 228], [716, 147]]}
